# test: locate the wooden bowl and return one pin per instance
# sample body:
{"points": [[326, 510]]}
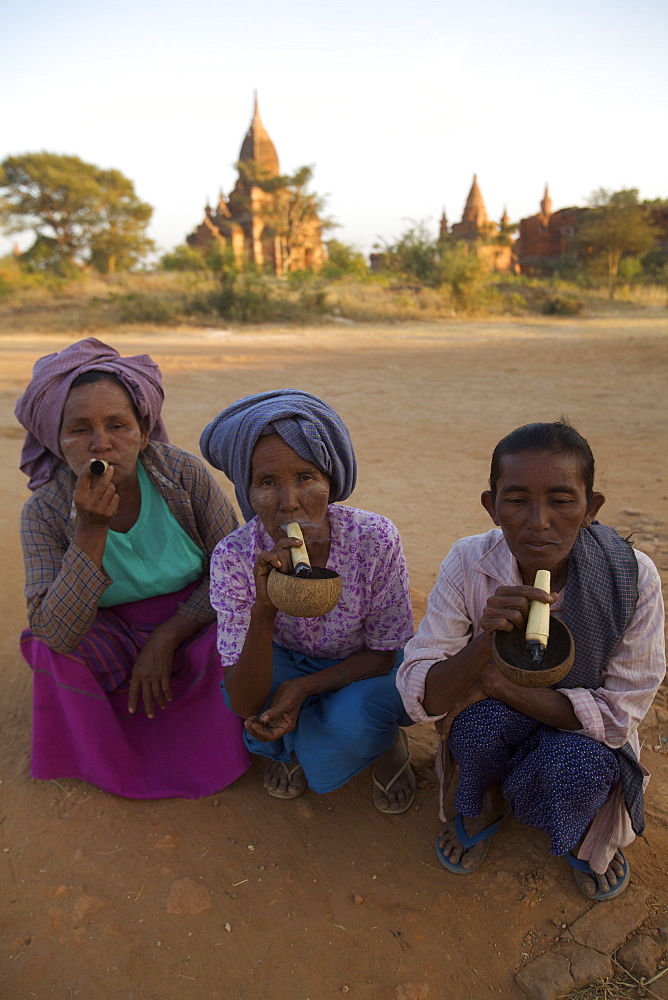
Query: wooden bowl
{"points": [[510, 656], [305, 597]]}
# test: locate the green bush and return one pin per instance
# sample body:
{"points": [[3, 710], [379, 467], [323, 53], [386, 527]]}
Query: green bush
{"points": [[562, 305], [138, 307], [183, 258], [515, 303], [343, 260], [16, 277], [253, 298]]}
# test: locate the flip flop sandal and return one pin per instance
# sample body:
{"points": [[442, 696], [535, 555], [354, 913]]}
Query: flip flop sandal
{"points": [[290, 769], [467, 842], [394, 810], [615, 890]]}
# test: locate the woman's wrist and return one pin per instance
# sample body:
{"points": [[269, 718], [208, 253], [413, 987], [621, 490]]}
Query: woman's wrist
{"points": [[175, 630], [263, 613], [308, 685]]}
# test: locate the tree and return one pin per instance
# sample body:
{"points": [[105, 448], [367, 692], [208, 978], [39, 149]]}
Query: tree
{"points": [[344, 260], [415, 254], [118, 240], [80, 214], [462, 271], [183, 258], [214, 259], [447, 264], [615, 226]]}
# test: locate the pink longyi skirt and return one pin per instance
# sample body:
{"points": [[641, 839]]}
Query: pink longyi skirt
{"points": [[82, 727]]}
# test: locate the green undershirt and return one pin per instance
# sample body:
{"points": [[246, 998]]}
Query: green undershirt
{"points": [[156, 556]]}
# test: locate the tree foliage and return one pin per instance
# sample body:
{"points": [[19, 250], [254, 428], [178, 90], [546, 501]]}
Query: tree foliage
{"points": [[415, 254], [214, 259], [183, 258], [344, 260], [448, 263], [615, 227], [80, 214]]}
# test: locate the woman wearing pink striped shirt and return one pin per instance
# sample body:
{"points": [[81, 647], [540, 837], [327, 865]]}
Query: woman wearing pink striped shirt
{"points": [[563, 759]]}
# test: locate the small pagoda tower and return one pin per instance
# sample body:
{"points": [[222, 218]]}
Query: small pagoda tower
{"points": [[486, 239], [546, 208], [474, 220]]}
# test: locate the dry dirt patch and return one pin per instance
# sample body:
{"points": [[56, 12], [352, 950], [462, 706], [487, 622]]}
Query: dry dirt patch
{"points": [[242, 896]]}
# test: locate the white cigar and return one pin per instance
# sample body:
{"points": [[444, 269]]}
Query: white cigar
{"points": [[97, 466], [538, 622], [299, 553]]}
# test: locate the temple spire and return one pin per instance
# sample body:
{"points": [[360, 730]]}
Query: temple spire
{"points": [[474, 210], [546, 203], [257, 146]]}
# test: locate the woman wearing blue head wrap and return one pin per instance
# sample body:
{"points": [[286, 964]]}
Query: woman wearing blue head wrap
{"points": [[318, 694]]}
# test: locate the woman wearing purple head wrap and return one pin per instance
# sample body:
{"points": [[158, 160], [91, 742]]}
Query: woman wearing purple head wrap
{"points": [[318, 695], [117, 537]]}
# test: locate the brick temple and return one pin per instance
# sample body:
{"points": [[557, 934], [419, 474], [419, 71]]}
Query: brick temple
{"points": [[260, 227], [548, 237]]}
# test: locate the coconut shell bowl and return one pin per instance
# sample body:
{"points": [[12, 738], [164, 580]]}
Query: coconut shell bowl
{"points": [[511, 657], [309, 596]]}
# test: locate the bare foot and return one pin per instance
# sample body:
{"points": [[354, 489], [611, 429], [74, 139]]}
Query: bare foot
{"points": [[284, 780], [393, 778], [591, 884], [493, 805]]}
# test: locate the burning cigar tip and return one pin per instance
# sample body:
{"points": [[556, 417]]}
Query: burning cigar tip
{"points": [[303, 569], [97, 466]]}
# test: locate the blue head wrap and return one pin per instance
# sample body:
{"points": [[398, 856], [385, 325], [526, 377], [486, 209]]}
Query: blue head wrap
{"points": [[306, 423]]}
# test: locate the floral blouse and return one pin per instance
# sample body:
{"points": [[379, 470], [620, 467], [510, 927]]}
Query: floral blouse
{"points": [[375, 607]]}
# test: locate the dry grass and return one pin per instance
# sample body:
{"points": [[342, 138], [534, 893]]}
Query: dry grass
{"points": [[647, 295], [622, 987], [170, 299]]}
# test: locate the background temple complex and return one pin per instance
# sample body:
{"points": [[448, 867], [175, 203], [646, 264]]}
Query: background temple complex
{"points": [[265, 222]]}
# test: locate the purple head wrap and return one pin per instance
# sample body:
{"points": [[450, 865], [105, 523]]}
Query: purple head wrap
{"points": [[305, 422], [40, 408]]}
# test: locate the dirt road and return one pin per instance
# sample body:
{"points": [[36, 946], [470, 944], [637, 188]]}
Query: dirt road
{"points": [[243, 896]]}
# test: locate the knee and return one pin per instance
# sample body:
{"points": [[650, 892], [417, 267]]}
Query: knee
{"points": [[570, 768], [364, 712], [373, 701], [481, 729]]}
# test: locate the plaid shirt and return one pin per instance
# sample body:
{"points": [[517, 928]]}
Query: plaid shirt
{"points": [[63, 584]]}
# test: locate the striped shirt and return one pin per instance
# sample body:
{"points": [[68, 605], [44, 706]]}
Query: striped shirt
{"points": [[469, 576], [64, 585]]}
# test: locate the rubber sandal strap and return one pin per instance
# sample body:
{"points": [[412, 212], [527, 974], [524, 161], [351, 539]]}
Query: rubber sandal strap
{"points": [[582, 866], [290, 771], [485, 834], [385, 788]]}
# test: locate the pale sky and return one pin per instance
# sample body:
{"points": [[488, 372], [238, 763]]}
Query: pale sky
{"points": [[396, 105]]}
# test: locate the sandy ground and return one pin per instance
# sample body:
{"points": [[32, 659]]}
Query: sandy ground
{"points": [[310, 899]]}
